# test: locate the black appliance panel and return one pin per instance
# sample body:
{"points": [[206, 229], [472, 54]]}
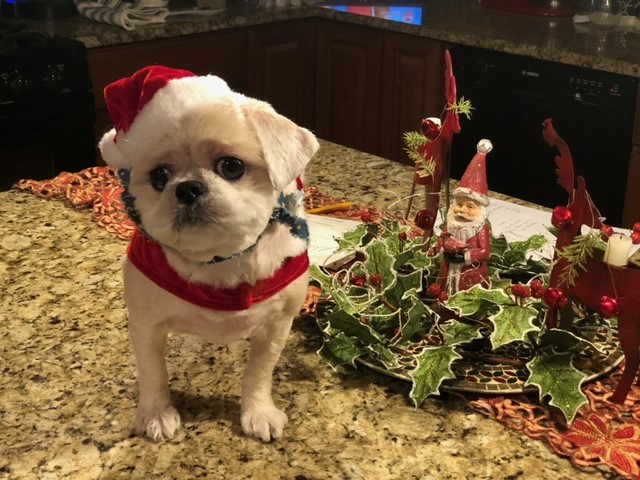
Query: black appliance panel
{"points": [[512, 95], [47, 110]]}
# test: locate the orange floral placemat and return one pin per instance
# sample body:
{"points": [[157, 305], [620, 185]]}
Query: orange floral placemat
{"points": [[602, 433]]}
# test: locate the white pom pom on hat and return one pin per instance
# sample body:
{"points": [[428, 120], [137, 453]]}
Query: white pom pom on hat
{"points": [[473, 183], [143, 108]]}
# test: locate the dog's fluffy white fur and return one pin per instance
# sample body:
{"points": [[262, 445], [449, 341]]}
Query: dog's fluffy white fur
{"points": [[229, 218]]}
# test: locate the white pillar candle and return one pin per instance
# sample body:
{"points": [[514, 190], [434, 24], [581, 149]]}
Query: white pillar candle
{"points": [[618, 249]]}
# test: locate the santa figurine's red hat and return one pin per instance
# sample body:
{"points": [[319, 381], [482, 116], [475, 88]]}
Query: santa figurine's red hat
{"points": [[148, 104], [473, 183]]}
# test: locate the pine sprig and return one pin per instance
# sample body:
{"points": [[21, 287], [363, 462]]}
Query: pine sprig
{"points": [[414, 141], [576, 254], [462, 106]]}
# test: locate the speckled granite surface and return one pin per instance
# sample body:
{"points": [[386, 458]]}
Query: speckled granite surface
{"points": [[456, 21], [67, 390]]}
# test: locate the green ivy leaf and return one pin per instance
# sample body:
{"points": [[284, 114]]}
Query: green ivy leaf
{"points": [[434, 366], [340, 350], [456, 333], [511, 324], [554, 375]]}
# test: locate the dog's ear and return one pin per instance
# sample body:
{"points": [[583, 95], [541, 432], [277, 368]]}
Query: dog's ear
{"points": [[287, 147]]}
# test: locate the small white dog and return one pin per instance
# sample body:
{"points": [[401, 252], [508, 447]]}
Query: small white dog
{"points": [[213, 180]]}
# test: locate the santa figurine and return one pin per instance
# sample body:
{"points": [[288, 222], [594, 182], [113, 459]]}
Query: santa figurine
{"points": [[465, 238]]}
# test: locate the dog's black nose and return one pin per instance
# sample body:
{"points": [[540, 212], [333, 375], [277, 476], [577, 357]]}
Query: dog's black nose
{"points": [[188, 192]]}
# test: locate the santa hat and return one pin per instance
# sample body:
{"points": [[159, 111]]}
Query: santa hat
{"points": [[473, 183], [146, 105]]}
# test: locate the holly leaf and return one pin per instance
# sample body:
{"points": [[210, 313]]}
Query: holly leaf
{"points": [[414, 320], [554, 375], [385, 356], [468, 302], [456, 333], [433, 367], [352, 327], [353, 239], [565, 340], [324, 279], [341, 349], [404, 292], [511, 324]]}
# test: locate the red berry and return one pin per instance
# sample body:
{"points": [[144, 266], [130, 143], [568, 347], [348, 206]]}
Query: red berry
{"points": [[430, 129], [443, 297], [358, 280], [562, 217], [609, 306], [536, 284], [606, 231], [636, 227], [424, 219], [434, 290], [635, 238], [520, 291], [402, 236], [366, 217], [555, 298], [375, 280]]}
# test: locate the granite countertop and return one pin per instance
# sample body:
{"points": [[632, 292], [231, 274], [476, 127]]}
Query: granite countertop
{"points": [[456, 21], [68, 386]]}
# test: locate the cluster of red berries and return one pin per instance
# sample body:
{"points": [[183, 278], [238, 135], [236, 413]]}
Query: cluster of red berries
{"points": [[435, 291], [535, 289], [606, 231], [361, 280]]}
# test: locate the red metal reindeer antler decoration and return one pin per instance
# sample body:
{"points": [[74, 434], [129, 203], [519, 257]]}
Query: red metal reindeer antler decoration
{"points": [[599, 282]]}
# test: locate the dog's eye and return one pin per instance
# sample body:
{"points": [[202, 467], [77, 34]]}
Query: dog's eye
{"points": [[230, 168], [159, 178]]}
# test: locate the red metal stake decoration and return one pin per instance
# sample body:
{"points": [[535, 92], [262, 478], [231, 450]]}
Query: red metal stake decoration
{"points": [[436, 150]]}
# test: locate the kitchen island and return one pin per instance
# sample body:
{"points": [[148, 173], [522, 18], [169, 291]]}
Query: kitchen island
{"points": [[68, 385]]}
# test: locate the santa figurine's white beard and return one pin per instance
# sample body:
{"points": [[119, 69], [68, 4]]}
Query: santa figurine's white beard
{"points": [[464, 230]]}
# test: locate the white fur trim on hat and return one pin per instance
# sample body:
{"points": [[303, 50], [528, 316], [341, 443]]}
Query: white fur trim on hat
{"points": [[160, 115]]}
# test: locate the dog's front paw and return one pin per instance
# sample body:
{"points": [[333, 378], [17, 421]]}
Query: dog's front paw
{"points": [[265, 423], [158, 426]]}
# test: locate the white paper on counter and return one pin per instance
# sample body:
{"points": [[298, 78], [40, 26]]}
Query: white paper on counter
{"points": [[515, 222], [323, 232]]}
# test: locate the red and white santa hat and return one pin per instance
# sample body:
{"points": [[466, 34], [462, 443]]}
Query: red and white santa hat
{"points": [[146, 105], [473, 183]]}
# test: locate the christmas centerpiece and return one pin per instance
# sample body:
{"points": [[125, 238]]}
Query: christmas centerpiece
{"points": [[462, 309]]}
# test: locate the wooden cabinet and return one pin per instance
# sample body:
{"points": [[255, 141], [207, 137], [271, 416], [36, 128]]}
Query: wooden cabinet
{"points": [[282, 66], [372, 86], [412, 88], [223, 53], [348, 85]]}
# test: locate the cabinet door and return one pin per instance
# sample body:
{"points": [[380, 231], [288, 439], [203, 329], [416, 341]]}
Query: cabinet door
{"points": [[282, 68], [221, 53], [348, 85], [412, 88]]}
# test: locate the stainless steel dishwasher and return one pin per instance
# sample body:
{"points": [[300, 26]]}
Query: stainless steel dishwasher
{"points": [[512, 95]]}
